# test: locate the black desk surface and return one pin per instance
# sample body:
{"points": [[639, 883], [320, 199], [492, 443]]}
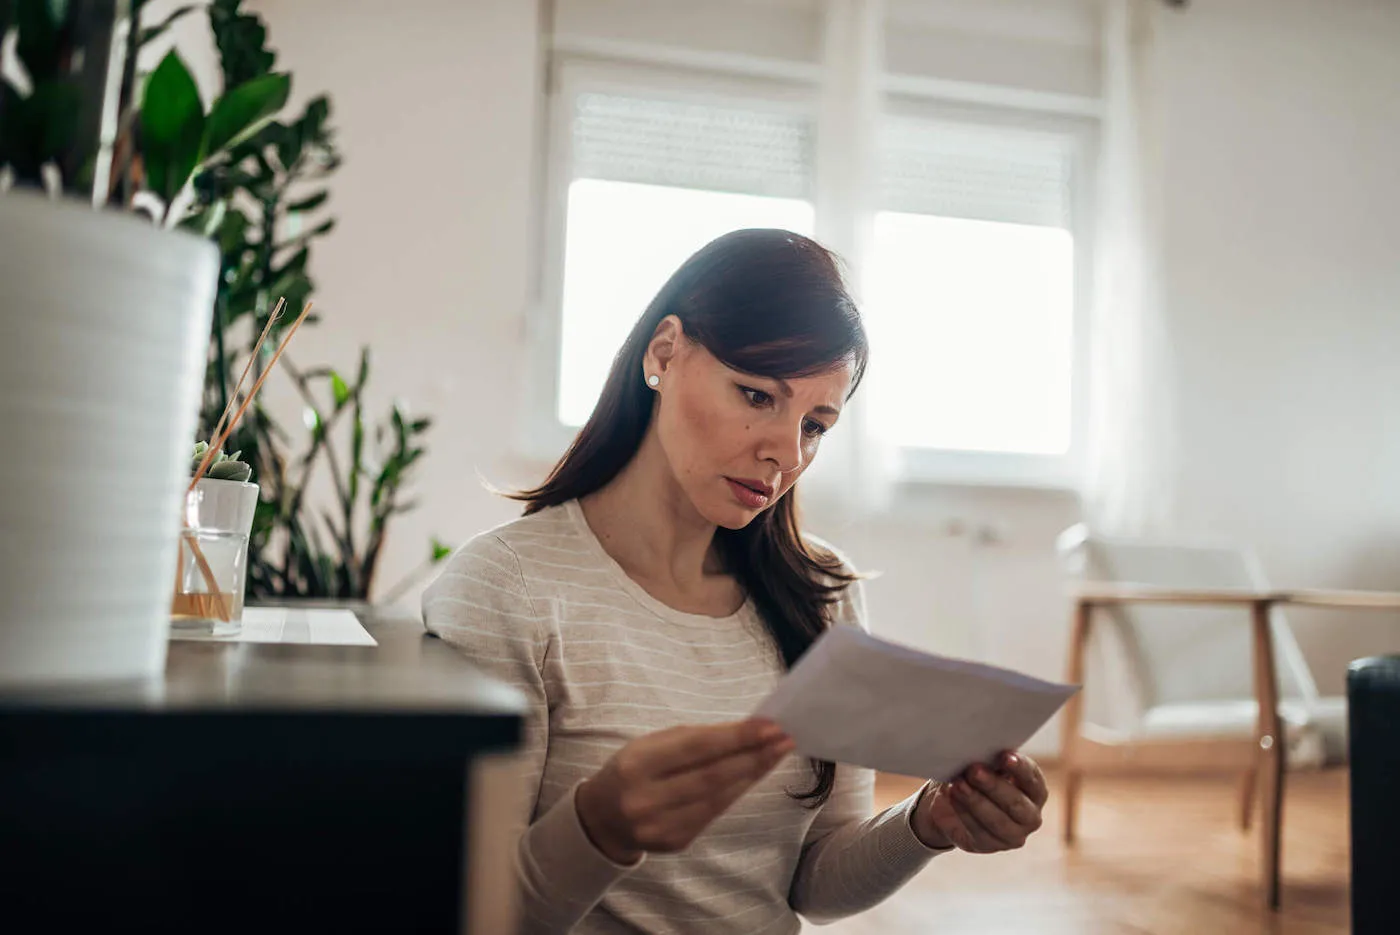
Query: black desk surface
{"points": [[411, 695], [345, 770]]}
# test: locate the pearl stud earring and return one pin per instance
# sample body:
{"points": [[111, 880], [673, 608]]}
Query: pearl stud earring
{"points": [[653, 381]]}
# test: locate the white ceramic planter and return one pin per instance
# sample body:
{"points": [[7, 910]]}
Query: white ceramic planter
{"points": [[106, 324], [223, 504]]}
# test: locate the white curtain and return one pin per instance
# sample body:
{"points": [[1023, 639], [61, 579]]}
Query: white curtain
{"points": [[855, 471], [1131, 439], [1128, 484]]}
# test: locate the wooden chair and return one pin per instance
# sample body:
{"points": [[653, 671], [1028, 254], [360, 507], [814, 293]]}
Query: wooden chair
{"points": [[1189, 676]]}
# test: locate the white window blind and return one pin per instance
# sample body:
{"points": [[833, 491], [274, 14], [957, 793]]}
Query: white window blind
{"points": [[975, 173], [688, 144]]}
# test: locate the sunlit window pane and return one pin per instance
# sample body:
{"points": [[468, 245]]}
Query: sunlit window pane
{"points": [[972, 331], [622, 241]]}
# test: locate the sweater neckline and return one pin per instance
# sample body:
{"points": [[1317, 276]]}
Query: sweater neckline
{"points": [[574, 510]]}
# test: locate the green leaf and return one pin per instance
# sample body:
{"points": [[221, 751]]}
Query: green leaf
{"points": [[243, 111], [151, 33], [289, 147], [296, 264], [313, 120], [400, 428], [38, 42], [232, 231], [294, 287], [309, 204], [172, 127], [363, 376], [231, 470], [322, 229], [207, 223], [439, 551], [241, 39], [418, 426], [339, 390]]}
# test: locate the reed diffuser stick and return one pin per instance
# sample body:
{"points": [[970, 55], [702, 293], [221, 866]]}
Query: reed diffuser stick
{"points": [[233, 400], [216, 445]]}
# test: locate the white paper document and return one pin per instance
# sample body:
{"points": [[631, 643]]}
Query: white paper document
{"points": [[291, 625], [856, 699]]}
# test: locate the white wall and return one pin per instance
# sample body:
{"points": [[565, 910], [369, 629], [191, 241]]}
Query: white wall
{"points": [[1281, 123], [1281, 216], [434, 104]]}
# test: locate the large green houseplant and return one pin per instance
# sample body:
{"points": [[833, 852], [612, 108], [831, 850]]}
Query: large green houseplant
{"points": [[265, 202], [230, 172]]}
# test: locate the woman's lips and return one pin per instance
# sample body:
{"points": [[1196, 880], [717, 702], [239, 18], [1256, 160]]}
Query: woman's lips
{"points": [[753, 494]]}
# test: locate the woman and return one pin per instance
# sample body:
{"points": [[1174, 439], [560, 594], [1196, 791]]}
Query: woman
{"points": [[656, 590]]}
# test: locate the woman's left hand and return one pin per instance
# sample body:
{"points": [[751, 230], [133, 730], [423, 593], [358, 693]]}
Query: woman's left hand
{"points": [[986, 809]]}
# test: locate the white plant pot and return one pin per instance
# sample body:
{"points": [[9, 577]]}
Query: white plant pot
{"points": [[223, 504], [101, 365]]}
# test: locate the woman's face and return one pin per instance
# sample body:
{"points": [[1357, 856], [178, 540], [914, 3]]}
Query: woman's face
{"points": [[736, 443]]}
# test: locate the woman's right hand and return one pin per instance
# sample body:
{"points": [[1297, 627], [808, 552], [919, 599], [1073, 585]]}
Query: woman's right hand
{"points": [[661, 790]]}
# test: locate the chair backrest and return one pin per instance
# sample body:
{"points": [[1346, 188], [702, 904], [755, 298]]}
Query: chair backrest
{"points": [[1182, 654]]}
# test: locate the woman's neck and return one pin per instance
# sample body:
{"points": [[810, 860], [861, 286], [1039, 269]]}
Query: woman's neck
{"points": [[649, 526]]}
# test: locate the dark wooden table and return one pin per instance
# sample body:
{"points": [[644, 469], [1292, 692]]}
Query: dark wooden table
{"points": [[263, 788]]}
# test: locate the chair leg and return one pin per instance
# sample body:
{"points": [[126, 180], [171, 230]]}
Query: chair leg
{"points": [[1248, 785], [1073, 779], [1271, 762], [1073, 717]]}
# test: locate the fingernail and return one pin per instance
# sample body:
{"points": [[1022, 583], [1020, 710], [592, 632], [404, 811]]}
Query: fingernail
{"points": [[1009, 759], [980, 773]]}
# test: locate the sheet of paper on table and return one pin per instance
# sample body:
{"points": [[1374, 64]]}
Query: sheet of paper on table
{"points": [[857, 699], [312, 626]]}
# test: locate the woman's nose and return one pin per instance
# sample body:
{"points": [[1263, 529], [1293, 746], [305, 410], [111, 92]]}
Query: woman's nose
{"points": [[783, 447]]}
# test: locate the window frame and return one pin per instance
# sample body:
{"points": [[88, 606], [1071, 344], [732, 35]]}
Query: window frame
{"points": [[958, 468], [543, 437]]}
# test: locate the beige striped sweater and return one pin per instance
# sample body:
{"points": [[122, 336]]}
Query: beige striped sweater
{"points": [[540, 604]]}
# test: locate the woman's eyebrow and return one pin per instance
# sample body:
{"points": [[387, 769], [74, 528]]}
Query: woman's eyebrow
{"points": [[825, 410]]}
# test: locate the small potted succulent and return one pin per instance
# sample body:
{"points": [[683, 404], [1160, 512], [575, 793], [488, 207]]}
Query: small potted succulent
{"points": [[225, 496], [212, 570]]}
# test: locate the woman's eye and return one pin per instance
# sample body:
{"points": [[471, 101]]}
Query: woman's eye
{"points": [[813, 428], [757, 398]]}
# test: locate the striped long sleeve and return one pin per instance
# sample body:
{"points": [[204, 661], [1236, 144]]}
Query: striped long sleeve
{"points": [[481, 604]]}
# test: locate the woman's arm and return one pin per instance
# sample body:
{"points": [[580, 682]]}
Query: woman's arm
{"points": [[853, 860], [481, 604]]}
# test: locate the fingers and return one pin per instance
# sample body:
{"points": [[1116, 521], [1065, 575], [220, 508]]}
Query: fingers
{"points": [[976, 837], [684, 748], [1006, 796], [988, 816], [682, 806], [957, 825], [713, 779], [1027, 774]]}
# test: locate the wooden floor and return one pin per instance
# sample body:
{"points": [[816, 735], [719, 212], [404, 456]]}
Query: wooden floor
{"points": [[1154, 857]]}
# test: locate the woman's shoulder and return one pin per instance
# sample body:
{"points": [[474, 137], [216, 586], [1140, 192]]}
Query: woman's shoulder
{"points": [[484, 585], [504, 546]]}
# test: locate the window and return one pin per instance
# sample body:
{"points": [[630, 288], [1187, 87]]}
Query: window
{"points": [[971, 278], [969, 292], [652, 181]]}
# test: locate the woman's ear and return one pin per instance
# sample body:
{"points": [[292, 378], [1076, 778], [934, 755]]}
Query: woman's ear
{"points": [[665, 346]]}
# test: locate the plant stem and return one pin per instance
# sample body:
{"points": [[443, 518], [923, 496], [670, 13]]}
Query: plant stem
{"points": [[220, 356]]}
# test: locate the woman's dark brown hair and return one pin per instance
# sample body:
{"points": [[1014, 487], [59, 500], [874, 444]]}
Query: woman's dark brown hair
{"points": [[765, 302]]}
